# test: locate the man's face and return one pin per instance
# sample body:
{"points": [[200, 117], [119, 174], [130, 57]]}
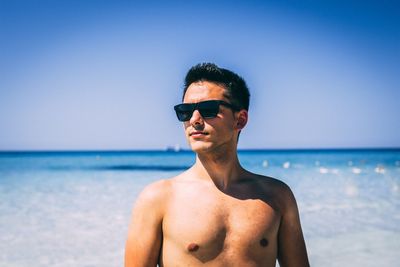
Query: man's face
{"points": [[207, 134]]}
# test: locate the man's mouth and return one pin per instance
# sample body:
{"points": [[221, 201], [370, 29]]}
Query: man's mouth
{"points": [[197, 133]]}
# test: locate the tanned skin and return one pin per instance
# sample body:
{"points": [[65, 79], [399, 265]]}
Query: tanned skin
{"points": [[216, 213]]}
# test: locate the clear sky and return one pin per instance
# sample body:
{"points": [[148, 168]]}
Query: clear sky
{"points": [[106, 74]]}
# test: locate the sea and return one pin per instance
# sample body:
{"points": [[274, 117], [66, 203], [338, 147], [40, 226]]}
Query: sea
{"points": [[64, 209]]}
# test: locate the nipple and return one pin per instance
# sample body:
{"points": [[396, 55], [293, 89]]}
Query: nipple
{"points": [[193, 247], [264, 242]]}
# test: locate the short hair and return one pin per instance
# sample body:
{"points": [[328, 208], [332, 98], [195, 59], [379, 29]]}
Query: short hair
{"points": [[236, 89]]}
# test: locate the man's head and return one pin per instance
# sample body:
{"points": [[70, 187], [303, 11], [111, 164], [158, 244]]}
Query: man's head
{"points": [[214, 109], [236, 89]]}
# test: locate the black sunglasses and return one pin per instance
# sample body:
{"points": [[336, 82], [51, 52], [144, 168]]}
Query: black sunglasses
{"points": [[208, 109]]}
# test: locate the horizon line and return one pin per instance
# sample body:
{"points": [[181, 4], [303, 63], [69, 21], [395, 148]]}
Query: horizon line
{"points": [[189, 150]]}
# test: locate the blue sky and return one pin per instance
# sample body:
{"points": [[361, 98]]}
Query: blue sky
{"points": [[105, 74]]}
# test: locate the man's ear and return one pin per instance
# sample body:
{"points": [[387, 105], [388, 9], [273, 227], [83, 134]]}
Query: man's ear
{"points": [[241, 119]]}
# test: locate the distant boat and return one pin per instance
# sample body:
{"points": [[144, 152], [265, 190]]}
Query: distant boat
{"points": [[175, 148]]}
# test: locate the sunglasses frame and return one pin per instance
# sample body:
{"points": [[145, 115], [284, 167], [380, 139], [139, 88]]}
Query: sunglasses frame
{"points": [[197, 106]]}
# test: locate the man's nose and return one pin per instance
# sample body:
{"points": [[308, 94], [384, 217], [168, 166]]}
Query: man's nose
{"points": [[196, 118]]}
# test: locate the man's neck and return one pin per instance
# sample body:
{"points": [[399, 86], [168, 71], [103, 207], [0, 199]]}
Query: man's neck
{"points": [[221, 168]]}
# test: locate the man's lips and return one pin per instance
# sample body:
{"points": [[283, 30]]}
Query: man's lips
{"points": [[198, 133]]}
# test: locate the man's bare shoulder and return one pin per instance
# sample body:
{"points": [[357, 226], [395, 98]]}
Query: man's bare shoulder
{"points": [[268, 183], [275, 190], [160, 190], [154, 194]]}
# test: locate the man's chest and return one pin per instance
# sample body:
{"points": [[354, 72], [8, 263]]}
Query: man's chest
{"points": [[210, 225]]}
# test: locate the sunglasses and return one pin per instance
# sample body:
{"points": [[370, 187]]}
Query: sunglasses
{"points": [[208, 109]]}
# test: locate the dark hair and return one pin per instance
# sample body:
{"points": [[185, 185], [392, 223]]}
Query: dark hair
{"points": [[236, 88]]}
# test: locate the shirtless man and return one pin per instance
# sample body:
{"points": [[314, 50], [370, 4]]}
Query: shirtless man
{"points": [[216, 213]]}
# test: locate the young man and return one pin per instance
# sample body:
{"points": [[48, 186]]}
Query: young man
{"points": [[216, 213]]}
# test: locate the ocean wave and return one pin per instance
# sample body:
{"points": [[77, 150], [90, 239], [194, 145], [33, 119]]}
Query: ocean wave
{"points": [[127, 167]]}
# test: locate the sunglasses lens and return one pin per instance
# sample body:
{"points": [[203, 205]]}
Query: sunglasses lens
{"points": [[184, 111], [209, 109], [184, 116]]}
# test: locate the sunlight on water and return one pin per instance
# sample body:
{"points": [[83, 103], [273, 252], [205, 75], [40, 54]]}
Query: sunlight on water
{"points": [[74, 209]]}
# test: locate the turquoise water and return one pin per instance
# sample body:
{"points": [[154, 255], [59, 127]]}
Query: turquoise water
{"points": [[73, 208]]}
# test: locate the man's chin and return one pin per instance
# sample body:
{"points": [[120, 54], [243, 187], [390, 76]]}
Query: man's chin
{"points": [[200, 147]]}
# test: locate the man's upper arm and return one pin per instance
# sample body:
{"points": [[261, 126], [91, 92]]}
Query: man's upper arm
{"points": [[291, 246], [145, 231]]}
